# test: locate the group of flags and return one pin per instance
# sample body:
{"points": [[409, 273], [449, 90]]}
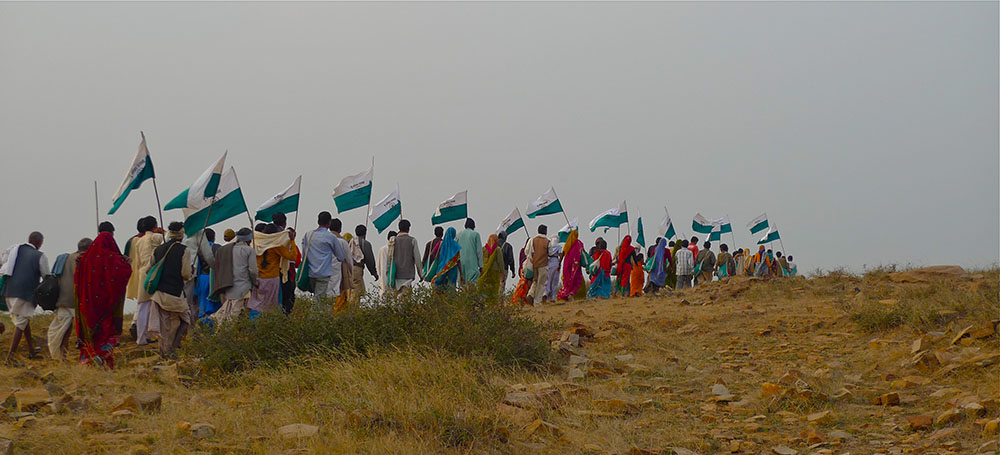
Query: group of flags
{"points": [[760, 224], [216, 196]]}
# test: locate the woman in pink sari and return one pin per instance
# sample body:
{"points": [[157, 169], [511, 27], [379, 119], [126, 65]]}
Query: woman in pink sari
{"points": [[574, 261]]}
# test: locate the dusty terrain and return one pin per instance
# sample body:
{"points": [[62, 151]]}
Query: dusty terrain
{"points": [[886, 363]]}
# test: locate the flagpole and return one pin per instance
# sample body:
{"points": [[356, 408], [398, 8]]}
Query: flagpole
{"points": [[156, 192], [295, 227], [238, 185], [201, 234], [628, 224], [97, 210], [560, 204], [731, 232], [368, 212]]}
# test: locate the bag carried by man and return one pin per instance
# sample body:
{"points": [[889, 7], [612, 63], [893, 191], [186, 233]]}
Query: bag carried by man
{"points": [[47, 293], [152, 283]]}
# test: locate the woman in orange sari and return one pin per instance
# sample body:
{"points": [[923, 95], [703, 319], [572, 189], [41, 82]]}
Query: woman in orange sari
{"points": [[101, 277], [521, 291], [638, 279]]}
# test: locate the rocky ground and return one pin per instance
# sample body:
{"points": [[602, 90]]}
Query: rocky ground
{"points": [[743, 367]]}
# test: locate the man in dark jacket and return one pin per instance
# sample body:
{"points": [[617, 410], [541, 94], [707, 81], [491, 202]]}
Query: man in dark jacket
{"points": [[507, 253], [178, 268], [24, 265], [362, 257]]}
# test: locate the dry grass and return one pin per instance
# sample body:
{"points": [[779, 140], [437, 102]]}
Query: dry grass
{"points": [[742, 334]]}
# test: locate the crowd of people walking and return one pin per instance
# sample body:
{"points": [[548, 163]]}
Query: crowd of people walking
{"points": [[180, 279]]}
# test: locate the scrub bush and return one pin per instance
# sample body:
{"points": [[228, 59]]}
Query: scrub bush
{"points": [[459, 322]]}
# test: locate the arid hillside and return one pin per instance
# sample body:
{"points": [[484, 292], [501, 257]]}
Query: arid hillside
{"points": [[889, 362]]}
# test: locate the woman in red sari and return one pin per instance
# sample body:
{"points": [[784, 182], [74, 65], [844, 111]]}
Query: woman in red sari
{"points": [[102, 275], [625, 261]]}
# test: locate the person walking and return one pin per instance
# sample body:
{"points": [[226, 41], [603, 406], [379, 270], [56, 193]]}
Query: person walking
{"points": [[684, 259], [405, 258], [147, 322], [172, 305], [62, 321], [275, 250], [322, 249], [472, 246], [101, 279], [706, 265], [235, 275], [431, 248], [385, 264], [537, 252], [507, 254], [24, 266], [288, 276], [363, 258]]}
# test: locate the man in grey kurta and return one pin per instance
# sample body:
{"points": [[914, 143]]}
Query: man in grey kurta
{"points": [[406, 257], [244, 266], [472, 252], [62, 320]]}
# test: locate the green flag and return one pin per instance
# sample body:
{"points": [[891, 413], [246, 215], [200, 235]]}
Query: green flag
{"points": [[140, 171]]}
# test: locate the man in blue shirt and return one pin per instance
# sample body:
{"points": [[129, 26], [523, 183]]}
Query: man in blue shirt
{"points": [[322, 248]]}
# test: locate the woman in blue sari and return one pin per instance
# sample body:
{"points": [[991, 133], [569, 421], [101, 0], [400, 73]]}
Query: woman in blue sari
{"points": [[600, 285], [443, 272], [658, 273]]}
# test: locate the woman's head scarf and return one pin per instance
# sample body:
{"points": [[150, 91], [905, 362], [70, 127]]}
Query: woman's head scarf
{"points": [[571, 240], [491, 244]]}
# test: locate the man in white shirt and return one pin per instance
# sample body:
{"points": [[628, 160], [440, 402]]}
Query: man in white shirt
{"points": [[684, 258], [384, 259]]}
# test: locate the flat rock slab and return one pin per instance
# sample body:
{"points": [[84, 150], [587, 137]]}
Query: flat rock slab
{"points": [[298, 430], [928, 274]]}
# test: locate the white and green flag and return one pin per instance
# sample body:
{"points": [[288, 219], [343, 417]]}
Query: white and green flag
{"points": [[200, 194], [704, 226], [758, 224], [667, 226], [715, 235], [453, 208], [611, 218], [770, 236], [640, 237], [286, 201], [228, 203], [354, 191], [564, 232], [140, 171], [546, 204], [384, 212], [512, 223]]}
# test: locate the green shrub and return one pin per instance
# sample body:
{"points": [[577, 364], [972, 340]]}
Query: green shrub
{"points": [[456, 322]]}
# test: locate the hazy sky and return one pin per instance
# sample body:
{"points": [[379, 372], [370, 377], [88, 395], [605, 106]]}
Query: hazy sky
{"points": [[867, 131]]}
